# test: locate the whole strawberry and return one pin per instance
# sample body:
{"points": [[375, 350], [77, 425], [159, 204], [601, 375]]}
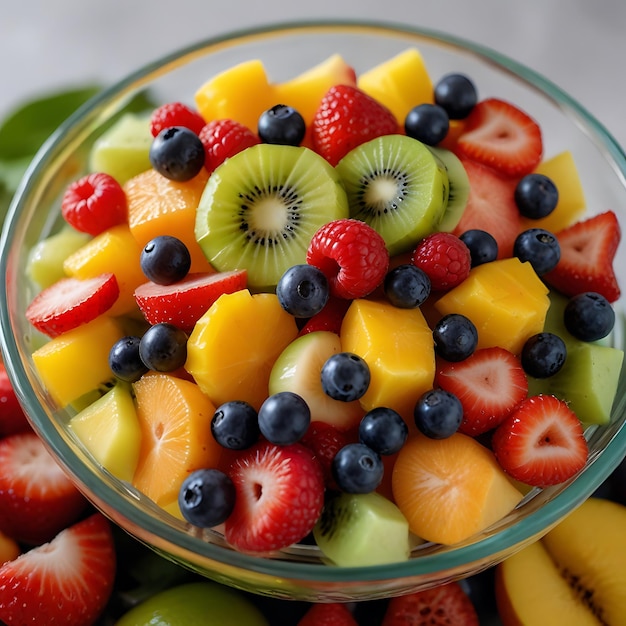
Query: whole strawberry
{"points": [[346, 118]]}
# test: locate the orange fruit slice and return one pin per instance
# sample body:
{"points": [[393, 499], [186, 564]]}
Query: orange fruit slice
{"points": [[450, 489]]}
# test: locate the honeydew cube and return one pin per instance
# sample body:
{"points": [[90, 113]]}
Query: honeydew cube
{"points": [[506, 301]]}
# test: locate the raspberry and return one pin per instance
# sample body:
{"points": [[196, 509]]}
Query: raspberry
{"points": [[445, 259], [223, 139], [175, 114], [352, 255], [94, 203]]}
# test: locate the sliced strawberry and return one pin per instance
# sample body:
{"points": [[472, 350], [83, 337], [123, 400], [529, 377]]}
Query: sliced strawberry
{"points": [[279, 497], [37, 499], [500, 135], [66, 582], [12, 417], [71, 302], [587, 254], [541, 443], [183, 303], [329, 318], [329, 614], [489, 384], [491, 207], [445, 605], [346, 118]]}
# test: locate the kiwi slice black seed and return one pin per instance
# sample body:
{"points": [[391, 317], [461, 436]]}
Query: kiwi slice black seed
{"points": [[261, 207], [459, 188], [396, 185]]}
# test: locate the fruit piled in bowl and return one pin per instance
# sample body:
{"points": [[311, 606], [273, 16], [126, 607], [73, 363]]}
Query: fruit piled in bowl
{"points": [[347, 308]]}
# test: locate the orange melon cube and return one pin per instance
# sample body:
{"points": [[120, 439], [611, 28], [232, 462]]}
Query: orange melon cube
{"points": [[506, 301], [450, 489], [397, 345]]}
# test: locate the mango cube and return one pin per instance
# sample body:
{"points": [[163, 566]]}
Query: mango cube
{"points": [[506, 301]]}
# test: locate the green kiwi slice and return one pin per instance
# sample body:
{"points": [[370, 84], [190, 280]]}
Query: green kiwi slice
{"points": [[459, 189], [398, 186], [261, 207]]}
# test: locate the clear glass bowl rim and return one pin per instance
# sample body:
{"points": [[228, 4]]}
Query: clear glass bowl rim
{"points": [[517, 533]]}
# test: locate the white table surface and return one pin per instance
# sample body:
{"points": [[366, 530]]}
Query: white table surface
{"points": [[46, 44]]}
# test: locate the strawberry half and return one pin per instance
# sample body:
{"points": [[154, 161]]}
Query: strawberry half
{"points": [[66, 582], [490, 384], [444, 605], [12, 417], [71, 302], [588, 250], [329, 614], [279, 497], [37, 499], [541, 443], [346, 118], [183, 303], [491, 206], [329, 318], [502, 136]]}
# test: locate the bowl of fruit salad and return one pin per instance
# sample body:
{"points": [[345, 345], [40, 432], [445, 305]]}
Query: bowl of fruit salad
{"points": [[336, 317]]}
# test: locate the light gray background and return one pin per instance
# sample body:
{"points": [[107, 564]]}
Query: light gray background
{"points": [[44, 44]]}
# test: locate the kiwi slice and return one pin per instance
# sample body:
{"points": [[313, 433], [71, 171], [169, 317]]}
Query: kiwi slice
{"points": [[261, 207], [357, 530], [398, 186], [459, 189]]}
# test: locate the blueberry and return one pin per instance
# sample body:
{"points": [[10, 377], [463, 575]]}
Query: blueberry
{"points": [[281, 124], [383, 430], [536, 196], [407, 286], [163, 347], [589, 316], [455, 337], [543, 355], [539, 247], [206, 498], [438, 414], [428, 123], [457, 94], [356, 468], [482, 245], [177, 153], [235, 425], [165, 260], [284, 417], [345, 377], [303, 290], [124, 359]]}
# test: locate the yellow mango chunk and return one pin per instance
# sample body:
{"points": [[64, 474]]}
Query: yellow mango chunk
{"points": [[109, 429], [111, 251], [233, 346], [400, 83], [397, 345], [450, 489], [506, 301], [241, 93], [77, 361]]}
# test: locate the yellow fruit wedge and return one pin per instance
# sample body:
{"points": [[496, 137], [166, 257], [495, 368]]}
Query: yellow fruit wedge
{"points": [[234, 345], [175, 421], [109, 430], [450, 489]]}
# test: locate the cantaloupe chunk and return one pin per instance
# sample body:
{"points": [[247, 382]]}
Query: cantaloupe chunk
{"points": [[397, 345], [233, 346], [505, 299], [450, 489], [400, 83]]}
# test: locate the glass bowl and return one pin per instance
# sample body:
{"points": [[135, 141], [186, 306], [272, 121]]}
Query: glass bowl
{"points": [[286, 50]]}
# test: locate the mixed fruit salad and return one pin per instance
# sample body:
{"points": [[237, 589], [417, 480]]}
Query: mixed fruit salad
{"points": [[365, 312]]}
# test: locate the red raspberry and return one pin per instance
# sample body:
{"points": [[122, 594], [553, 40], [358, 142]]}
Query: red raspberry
{"points": [[445, 259], [223, 139], [331, 614], [175, 114], [94, 203], [352, 255]]}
